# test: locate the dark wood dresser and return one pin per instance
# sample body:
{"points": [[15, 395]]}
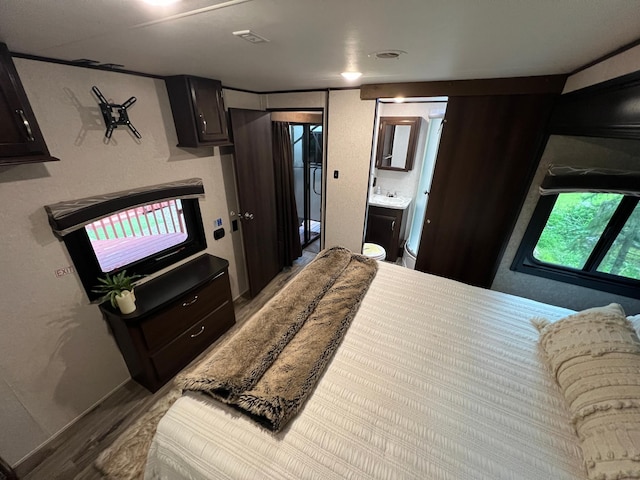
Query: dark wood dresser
{"points": [[178, 315]]}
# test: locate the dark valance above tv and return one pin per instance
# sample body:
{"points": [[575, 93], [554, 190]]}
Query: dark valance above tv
{"points": [[68, 216]]}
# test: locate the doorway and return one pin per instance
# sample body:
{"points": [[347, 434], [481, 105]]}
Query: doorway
{"points": [[307, 146], [399, 192]]}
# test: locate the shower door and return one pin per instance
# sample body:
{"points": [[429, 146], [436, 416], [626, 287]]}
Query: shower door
{"points": [[306, 140]]}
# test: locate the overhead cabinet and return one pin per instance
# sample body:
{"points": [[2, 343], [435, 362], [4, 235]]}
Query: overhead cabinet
{"points": [[198, 111], [21, 140]]}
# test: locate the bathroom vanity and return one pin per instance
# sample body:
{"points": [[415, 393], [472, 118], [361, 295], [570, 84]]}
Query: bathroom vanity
{"points": [[386, 223]]}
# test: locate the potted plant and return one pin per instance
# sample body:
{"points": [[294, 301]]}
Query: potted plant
{"points": [[118, 289]]}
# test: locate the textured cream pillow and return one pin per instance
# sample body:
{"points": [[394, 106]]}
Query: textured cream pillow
{"points": [[595, 358]]}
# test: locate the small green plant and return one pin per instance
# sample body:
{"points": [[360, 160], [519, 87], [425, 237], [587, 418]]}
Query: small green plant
{"points": [[112, 285]]}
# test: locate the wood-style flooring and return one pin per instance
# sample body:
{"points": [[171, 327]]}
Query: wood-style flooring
{"points": [[71, 454]]}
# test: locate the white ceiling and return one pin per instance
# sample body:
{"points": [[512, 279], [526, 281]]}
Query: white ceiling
{"points": [[311, 42]]}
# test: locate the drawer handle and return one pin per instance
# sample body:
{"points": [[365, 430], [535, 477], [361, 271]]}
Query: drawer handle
{"points": [[195, 299], [194, 335]]}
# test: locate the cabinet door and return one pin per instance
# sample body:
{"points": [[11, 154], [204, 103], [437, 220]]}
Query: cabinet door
{"points": [[20, 138], [209, 109], [381, 229]]}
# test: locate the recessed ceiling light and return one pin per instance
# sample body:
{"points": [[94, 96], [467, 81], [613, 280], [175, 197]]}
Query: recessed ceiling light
{"points": [[160, 2], [351, 75]]}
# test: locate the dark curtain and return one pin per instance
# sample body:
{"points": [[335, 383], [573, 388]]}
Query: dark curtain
{"points": [[289, 247]]}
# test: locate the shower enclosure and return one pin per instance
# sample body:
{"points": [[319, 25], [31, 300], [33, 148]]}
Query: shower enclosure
{"points": [[306, 140]]}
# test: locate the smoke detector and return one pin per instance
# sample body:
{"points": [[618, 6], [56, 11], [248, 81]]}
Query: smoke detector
{"points": [[387, 54], [250, 36]]}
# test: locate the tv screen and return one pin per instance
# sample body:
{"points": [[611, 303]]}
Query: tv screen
{"points": [[140, 240]]}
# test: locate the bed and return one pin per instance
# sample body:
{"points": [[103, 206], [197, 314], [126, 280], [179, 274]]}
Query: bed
{"points": [[434, 379]]}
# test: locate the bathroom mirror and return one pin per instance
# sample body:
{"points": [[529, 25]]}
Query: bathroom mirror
{"points": [[397, 139]]}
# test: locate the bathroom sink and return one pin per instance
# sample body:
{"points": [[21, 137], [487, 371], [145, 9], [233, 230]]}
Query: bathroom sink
{"points": [[398, 202]]}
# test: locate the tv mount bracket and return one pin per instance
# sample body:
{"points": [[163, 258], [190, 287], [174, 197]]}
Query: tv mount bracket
{"points": [[119, 117]]}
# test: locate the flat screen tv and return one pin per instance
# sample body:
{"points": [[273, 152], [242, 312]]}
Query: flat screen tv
{"points": [[140, 240]]}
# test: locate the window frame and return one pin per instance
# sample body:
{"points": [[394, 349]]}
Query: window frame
{"points": [[525, 262]]}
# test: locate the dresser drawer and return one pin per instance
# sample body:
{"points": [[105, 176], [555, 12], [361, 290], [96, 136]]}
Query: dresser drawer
{"points": [[172, 358], [185, 312]]}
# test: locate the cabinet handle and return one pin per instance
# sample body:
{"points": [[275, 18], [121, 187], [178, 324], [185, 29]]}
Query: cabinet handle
{"points": [[393, 225], [195, 299], [194, 335], [204, 124], [27, 127]]}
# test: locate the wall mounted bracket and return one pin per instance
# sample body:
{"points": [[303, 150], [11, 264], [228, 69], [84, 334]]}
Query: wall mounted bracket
{"points": [[119, 117]]}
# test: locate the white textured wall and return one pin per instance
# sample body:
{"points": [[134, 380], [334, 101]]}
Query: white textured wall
{"points": [[57, 357], [350, 130], [621, 64]]}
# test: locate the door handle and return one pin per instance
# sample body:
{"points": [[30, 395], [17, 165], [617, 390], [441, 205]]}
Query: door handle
{"points": [[204, 124], [27, 127], [314, 180], [248, 216]]}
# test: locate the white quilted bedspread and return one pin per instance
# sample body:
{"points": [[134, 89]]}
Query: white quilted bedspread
{"points": [[434, 380]]}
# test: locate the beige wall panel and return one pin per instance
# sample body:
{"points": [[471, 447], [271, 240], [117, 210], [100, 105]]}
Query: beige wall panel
{"points": [[621, 64], [240, 99], [350, 132], [296, 100]]}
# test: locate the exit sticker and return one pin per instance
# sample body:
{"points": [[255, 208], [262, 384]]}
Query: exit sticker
{"points": [[61, 272]]}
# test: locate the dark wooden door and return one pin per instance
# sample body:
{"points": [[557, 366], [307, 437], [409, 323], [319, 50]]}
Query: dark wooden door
{"points": [[488, 152], [207, 100], [256, 191]]}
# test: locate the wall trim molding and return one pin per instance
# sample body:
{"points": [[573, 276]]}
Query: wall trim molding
{"points": [[475, 87]]}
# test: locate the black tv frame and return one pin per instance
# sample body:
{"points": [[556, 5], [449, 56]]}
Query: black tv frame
{"points": [[88, 268]]}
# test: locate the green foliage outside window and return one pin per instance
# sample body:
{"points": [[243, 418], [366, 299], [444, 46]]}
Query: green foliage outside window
{"points": [[574, 227]]}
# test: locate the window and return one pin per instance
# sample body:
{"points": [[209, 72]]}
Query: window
{"points": [[585, 238]]}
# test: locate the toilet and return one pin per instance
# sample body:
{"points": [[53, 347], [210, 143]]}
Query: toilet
{"points": [[375, 251], [408, 258]]}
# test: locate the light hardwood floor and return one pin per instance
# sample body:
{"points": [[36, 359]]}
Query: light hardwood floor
{"points": [[72, 453]]}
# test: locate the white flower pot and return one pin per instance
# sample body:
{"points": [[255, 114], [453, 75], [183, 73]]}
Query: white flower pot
{"points": [[126, 301]]}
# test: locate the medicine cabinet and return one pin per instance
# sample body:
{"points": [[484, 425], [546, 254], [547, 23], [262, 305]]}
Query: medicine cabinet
{"points": [[397, 140]]}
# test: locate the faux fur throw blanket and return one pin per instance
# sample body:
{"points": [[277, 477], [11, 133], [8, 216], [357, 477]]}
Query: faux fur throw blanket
{"points": [[270, 366]]}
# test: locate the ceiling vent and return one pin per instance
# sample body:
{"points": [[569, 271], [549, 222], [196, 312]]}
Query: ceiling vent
{"points": [[249, 36], [388, 54]]}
